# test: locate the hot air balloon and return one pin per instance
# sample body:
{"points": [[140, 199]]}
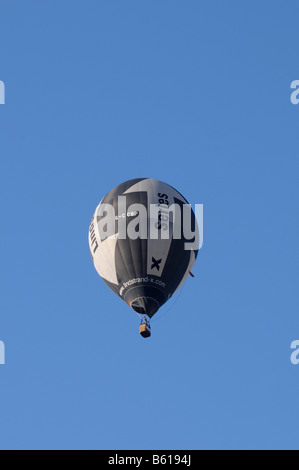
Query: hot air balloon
{"points": [[139, 246]]}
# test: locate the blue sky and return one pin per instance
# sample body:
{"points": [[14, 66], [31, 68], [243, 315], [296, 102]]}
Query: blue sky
{"points": [[196, 94]]}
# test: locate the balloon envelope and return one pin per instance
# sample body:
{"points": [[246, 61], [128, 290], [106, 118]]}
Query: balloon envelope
{"points": [[142, 267]]}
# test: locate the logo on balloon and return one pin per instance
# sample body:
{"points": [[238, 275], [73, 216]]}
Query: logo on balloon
{"points": [[143, 280]]}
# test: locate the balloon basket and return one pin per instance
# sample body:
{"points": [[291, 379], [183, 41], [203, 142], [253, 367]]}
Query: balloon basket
{"points": [[145, 330]]}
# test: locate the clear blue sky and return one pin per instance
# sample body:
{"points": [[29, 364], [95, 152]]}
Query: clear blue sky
{"points": [[196, 94]]}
